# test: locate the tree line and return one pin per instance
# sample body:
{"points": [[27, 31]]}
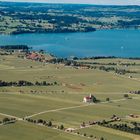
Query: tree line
{"points": [[5, 121], [133, 127], [135, 92], [15, 47], [44, 123], [74, 63], [25, 83]]}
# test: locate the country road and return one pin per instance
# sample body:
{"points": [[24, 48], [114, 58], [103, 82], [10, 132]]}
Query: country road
{"points": [[73, 107]]}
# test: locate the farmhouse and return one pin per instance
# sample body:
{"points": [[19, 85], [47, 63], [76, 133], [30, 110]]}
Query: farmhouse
{"points": [[89, 99]]}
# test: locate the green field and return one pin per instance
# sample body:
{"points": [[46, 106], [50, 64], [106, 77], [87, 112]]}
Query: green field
{"points": [[107, 133], [24, 131], [63, 103], [75, 117]]}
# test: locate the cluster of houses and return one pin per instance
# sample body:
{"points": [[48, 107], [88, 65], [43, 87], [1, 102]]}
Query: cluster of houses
{"points": [[35, 56]]}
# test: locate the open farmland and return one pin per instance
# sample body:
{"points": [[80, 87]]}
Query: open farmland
{"points": [[27, 131], [107, 133], [62, 104]]}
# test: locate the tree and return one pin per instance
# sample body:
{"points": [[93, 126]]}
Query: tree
{"points": [[49, 123], [55, 83], [6, 120], [107, 99], [101, 138], [40, 121], [85, 134], [61, 127], [126, 95], [94, 99], [44, 83], [91, 136], [37, 83], [78, 133]]}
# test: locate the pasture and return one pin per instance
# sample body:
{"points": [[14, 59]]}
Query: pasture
{"points": [[107, 133], [27, 131], [63, 103]]}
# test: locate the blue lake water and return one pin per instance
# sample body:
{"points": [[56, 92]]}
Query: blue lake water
{"points": [[121, 43]]}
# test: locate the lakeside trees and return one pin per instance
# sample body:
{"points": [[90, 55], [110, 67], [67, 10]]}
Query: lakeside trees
{"points": [[15, 47]]}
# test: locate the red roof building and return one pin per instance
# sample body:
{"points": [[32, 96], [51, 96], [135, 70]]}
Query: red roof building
{"points": [[88, 99]]}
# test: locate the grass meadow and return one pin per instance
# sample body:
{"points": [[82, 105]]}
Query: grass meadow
{"points": [[63, 103]]}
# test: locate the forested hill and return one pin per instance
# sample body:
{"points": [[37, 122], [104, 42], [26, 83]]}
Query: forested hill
{"points": [[16, 18]]}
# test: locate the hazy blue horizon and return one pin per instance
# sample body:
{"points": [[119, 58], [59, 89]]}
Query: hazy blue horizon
{"points": [[99, 2]]}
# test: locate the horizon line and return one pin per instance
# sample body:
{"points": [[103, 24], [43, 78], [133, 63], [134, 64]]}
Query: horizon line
{"points": [[41, 2]]}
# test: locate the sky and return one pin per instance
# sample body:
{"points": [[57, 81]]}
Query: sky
{"points": [[99, 2]]}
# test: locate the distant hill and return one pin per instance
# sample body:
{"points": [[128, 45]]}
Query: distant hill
{"points": [[17, 18]]}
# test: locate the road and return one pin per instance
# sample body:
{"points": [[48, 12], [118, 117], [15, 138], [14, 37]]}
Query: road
{"points": [[11, 116], [73, 107]]}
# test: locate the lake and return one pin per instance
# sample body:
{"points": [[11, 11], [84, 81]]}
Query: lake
{"points": [[120, 43]]}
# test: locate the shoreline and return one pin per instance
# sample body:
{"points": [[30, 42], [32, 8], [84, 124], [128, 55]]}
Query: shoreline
{"points": [[70, 32], [30, 50]]}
